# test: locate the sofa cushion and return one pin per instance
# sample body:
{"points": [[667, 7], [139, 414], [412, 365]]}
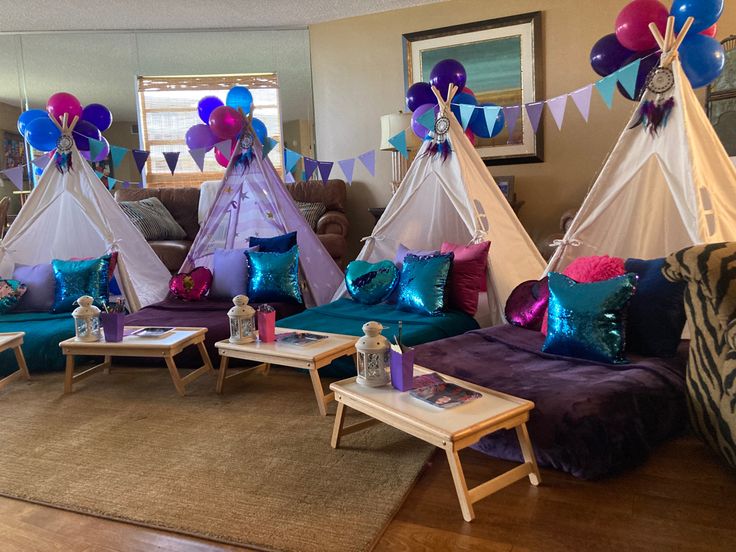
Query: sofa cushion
{"points": [[311, 212], [153, 219], [332, 194], [181, 202], [171, 252]]}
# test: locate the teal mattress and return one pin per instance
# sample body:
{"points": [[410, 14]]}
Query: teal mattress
{"points": [[345, 316], [44, 331]]}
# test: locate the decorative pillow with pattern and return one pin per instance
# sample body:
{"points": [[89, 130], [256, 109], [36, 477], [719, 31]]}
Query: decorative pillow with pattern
{"points": [[312, 212], [10, 293], [153, 219]]}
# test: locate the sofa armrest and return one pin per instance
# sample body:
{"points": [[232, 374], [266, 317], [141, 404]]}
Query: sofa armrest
{"points": [[333, 222]]}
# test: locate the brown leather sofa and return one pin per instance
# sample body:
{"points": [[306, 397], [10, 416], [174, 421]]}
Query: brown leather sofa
{"points": [[183, 202]]}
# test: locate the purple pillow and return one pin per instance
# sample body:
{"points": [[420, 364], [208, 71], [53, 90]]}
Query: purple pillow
{"points": [[230, 273], [40, 286]]}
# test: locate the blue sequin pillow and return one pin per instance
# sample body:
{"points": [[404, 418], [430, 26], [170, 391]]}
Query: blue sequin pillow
{"points": [[277, 244], [274, 277], [588, 320], [76, 278], [422, 283], [371, 283], [10, 293]]}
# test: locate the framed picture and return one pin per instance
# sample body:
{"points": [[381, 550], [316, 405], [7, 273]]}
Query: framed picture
{"points": [[721, 99], [503, 61]]}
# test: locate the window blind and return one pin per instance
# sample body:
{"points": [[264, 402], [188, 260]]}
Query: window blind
{"points": [[168, 107]]}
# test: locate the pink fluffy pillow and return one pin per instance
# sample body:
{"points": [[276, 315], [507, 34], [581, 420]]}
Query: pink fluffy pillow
{"points": [[467, 275], [585, 270]]}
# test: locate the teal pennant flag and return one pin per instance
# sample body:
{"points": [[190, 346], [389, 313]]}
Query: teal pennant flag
{"points": [[398, 141], [118, 153], [268, 146], [426, 119], [111, 183], [490, 112], [606, 87], [466, 114], [291, 158], [627, 77], [95, 148]]}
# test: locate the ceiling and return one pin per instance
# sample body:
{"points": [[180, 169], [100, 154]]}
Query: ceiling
{"points": [[76, 15]]}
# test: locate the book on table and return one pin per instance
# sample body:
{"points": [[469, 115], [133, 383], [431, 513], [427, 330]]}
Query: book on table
{"points": [[151, 331], [299, 339], [432, 389]]}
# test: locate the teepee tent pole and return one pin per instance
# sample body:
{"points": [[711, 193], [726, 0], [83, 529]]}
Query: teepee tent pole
{"points": [[657, 36]]}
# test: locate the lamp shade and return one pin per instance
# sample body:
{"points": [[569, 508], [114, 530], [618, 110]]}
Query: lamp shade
{"points": [[391, 125]]}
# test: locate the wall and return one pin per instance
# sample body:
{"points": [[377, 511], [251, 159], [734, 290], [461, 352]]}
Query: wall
{"points": [[358, 75]]}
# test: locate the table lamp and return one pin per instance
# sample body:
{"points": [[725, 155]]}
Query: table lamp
{"points": [[391, 125]]}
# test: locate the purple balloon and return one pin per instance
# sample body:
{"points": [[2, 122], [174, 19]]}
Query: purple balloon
{"points": [[607, 55], [446, 72], [646, 65], [419, 93], [83, 131], [98, 115], [206, 106], [418, 128], [200, 136]]}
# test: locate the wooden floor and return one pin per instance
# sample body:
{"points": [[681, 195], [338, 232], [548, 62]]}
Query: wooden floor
{"points": [[682, 499]]}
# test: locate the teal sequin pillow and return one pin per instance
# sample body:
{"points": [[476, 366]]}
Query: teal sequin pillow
{"points": [[274, 277], [422, 283], [589, 320], [82, 277], [10, 293]]}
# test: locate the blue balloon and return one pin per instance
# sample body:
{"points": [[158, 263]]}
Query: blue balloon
{"points": [[479, 127], [42, 133], [464, 98], [239, 97], [28, 116], [260, 129], [702, 59], [705, 13]]}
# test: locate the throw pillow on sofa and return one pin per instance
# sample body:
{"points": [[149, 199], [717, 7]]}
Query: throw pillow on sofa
{"points": [[153, 219], [312, 212], [277, 244], [229, 273]]}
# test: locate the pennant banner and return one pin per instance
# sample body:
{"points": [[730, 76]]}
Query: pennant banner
{"points": [[398, 141], [291, 158], [198, 157], [42, 160], [581, 99], [466, 114], [225, 147], [172, 158], [627, 77], [15, 175], [347, 166], [369, 161], [310, 165], [606, 87], [490, 112], [289, 178], [426, 119], [268, 146], [325, 168], [534, 111], [118, 153], [557, 108], [111, 183], [95, 149], [511, 117], [140, 157]]}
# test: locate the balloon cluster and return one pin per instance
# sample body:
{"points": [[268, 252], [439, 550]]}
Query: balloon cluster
{"points": [[701, 55], [420, 99], [39, 130], [223, 121]]}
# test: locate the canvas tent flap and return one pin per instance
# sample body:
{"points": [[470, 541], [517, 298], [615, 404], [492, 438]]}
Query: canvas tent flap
{"points": [[456, 200], [73, 215], [254, 201], [657, 193]]}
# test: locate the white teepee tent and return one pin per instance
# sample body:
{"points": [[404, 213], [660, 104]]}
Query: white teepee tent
{"points": [[253, 201], [456, 200], [658, 193], [71, 214]]}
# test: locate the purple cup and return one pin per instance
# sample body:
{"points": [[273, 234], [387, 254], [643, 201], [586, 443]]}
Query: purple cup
{"points": [[402, 369], [113, 324]]}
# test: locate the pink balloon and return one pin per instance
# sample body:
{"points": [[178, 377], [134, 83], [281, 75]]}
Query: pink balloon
{"points": [[632, 24], [225, 122], [469, 133], [63, 102], [710, 31]]}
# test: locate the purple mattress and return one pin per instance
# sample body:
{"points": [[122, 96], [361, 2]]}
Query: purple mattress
{"points": [[591, 419], [208, 313]]}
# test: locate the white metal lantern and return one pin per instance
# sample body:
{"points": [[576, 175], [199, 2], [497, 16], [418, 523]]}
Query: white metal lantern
{"points": [[373, 356], [86, 320], [242, 321]]}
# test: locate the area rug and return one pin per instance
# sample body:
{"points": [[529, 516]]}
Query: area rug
{"points": [[252, 467]]}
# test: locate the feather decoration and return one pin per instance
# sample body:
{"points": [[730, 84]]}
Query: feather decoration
{"points": [[63, 161], [244, 158], [653, 116], [438, 147]]}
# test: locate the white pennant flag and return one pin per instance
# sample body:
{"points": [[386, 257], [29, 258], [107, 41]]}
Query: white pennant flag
{"points": [[15, 175]]}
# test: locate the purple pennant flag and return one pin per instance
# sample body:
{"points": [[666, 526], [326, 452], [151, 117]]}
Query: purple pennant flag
{"points": [[126, 184], [347, 166], [310, 165], [325, 168], [511, 116], [15, 175], [42, 160], [289, 178], [172, 158], [581, 99], [198, 157], [534, 110], [557, 107], [369, 160], [140, 157], [225, 148]]}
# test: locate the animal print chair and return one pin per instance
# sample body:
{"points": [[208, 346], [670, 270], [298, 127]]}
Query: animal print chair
{"points": [[710, 299]]}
